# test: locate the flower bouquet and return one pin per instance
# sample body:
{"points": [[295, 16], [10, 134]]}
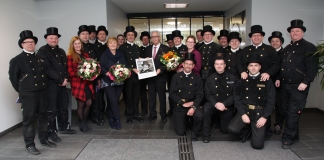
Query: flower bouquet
{"points": [[171, 60], [119, 73], [88, 69]]}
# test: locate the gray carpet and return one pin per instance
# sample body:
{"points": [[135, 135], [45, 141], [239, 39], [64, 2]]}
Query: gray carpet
{"points": [[232, 150], [130, 149]]}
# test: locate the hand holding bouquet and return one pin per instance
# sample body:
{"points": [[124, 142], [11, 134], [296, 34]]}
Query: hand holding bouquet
{"points": [[119, 73], [171, 60], [88, 69]]}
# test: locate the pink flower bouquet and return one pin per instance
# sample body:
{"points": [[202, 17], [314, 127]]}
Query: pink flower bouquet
{"points": [[88, 69]]}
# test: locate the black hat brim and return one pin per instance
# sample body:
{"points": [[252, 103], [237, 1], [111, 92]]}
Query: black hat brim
{"points": [[301, 27], [178, 36], [102, 30], [193, 60], [58, 35], [250, 34], [247, 63], [144, 36], [82, 31], [218, 37], [22, 39], [229, 39], [130, 31], [203, 32], [281, 39]]}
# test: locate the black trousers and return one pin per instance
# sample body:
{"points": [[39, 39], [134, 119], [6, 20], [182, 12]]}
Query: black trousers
{"points": [[144, 102], [170, 75], [34, 109], [293, 102], [158, 87], [237, 124], [180, 119], [98, 104], [132, 87], [279, 110], [113, 94], [225, 118], [58, 101]]}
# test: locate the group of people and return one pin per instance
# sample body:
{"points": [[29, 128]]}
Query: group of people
{"points": [[216, 84]]}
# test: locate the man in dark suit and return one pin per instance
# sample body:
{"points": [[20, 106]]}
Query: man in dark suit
{"points": [[157, 83], [56, 68]]}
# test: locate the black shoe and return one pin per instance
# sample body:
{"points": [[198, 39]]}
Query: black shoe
{"points": [[164, 118], [151, 118], [194, 137], [138, 118], [170, 113], [54, 138], [67, 131], [118, 126], [277, 130], [129, 120], [206, 139], [102, 120], [112, 123], [285, 145], [96, 121], [33, 150], [143, 114], [245, 136], [48, 144], [215, 126]]}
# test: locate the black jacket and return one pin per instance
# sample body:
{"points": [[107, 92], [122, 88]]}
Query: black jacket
{"points": [[90, 49], [208, 53], [99, 49], [231, 61], [55, 62], [27, 73], [297, 65], [181, 50]]}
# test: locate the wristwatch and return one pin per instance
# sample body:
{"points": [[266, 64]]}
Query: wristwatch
{"points": [[194, 107]]}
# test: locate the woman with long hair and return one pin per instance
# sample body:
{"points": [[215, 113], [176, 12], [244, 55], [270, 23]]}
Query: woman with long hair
{"points": [[82, 90], [113, 90]]}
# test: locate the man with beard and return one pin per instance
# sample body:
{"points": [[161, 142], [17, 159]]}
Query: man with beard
{"points": [[93, 34], [170, 40], [187, 92], [222, 38]]}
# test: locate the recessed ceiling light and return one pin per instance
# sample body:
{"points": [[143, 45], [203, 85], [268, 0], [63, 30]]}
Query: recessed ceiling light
{"points": [[176, 5]]}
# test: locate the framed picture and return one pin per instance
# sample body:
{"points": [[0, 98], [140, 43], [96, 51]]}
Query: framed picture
{"points": [[146, 68]]}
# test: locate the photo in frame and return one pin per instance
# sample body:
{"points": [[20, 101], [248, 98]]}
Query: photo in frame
{"points": [[146, 68]]}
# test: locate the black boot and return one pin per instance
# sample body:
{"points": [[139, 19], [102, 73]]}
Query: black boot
{"points": [[83, 127], [118, 126], [112, 123]]}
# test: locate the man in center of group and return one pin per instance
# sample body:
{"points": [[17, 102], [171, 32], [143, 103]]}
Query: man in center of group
{"points": [[131, 52]]}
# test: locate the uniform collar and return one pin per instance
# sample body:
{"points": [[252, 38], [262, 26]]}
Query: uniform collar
{"points": [[278, 49], [257, 45], [130, 43], [187, 74], [178, 46], [208, 42], [146, 45], [235, 50], [103, 43], [253, 76], [28, 51]]}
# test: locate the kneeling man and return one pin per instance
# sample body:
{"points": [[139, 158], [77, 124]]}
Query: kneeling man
{"points": [[254, 100], [187, 92]]}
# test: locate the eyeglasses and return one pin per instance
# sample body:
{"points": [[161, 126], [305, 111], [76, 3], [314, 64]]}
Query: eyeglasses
{"points": [[190, 42], [208, 34], [29, 42], [155, 36]]}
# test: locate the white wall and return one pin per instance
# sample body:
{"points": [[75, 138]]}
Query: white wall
{"points": [[116, 19], [277, 14], [15, 16], [239, 7]]}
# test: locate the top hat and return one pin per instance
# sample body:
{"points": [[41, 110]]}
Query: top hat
{"points": [[176, 33], [220, 56], [254, 58], [297, 23], [83, 28], [168, 37], [256, 29], [102, 28], [223, 33], [146, 63], [145, 33], [92, 28], [189, 56], [276, 34], [130, 29], [52, 31], [207, 28], [25, 35], [234, 35]]}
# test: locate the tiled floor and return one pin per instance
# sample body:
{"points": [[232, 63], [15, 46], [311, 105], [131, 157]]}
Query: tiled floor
{"points": [[311, 145]]}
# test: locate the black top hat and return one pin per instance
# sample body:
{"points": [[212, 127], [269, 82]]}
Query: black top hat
{"points": [[207, 28], [276, 34], [189, 56], [297, 23], [254, 58], [223, 33], [92, 28], [168, 37], [234, 35], [146, 63], [256, 29], [24, 35], [145, 33], [52, 31], [130, 29], [102, 28], [220, 56], [83, 28], [176, 33]]}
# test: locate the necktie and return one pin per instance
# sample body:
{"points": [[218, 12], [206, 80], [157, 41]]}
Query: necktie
{"points": [[154, 52]]}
